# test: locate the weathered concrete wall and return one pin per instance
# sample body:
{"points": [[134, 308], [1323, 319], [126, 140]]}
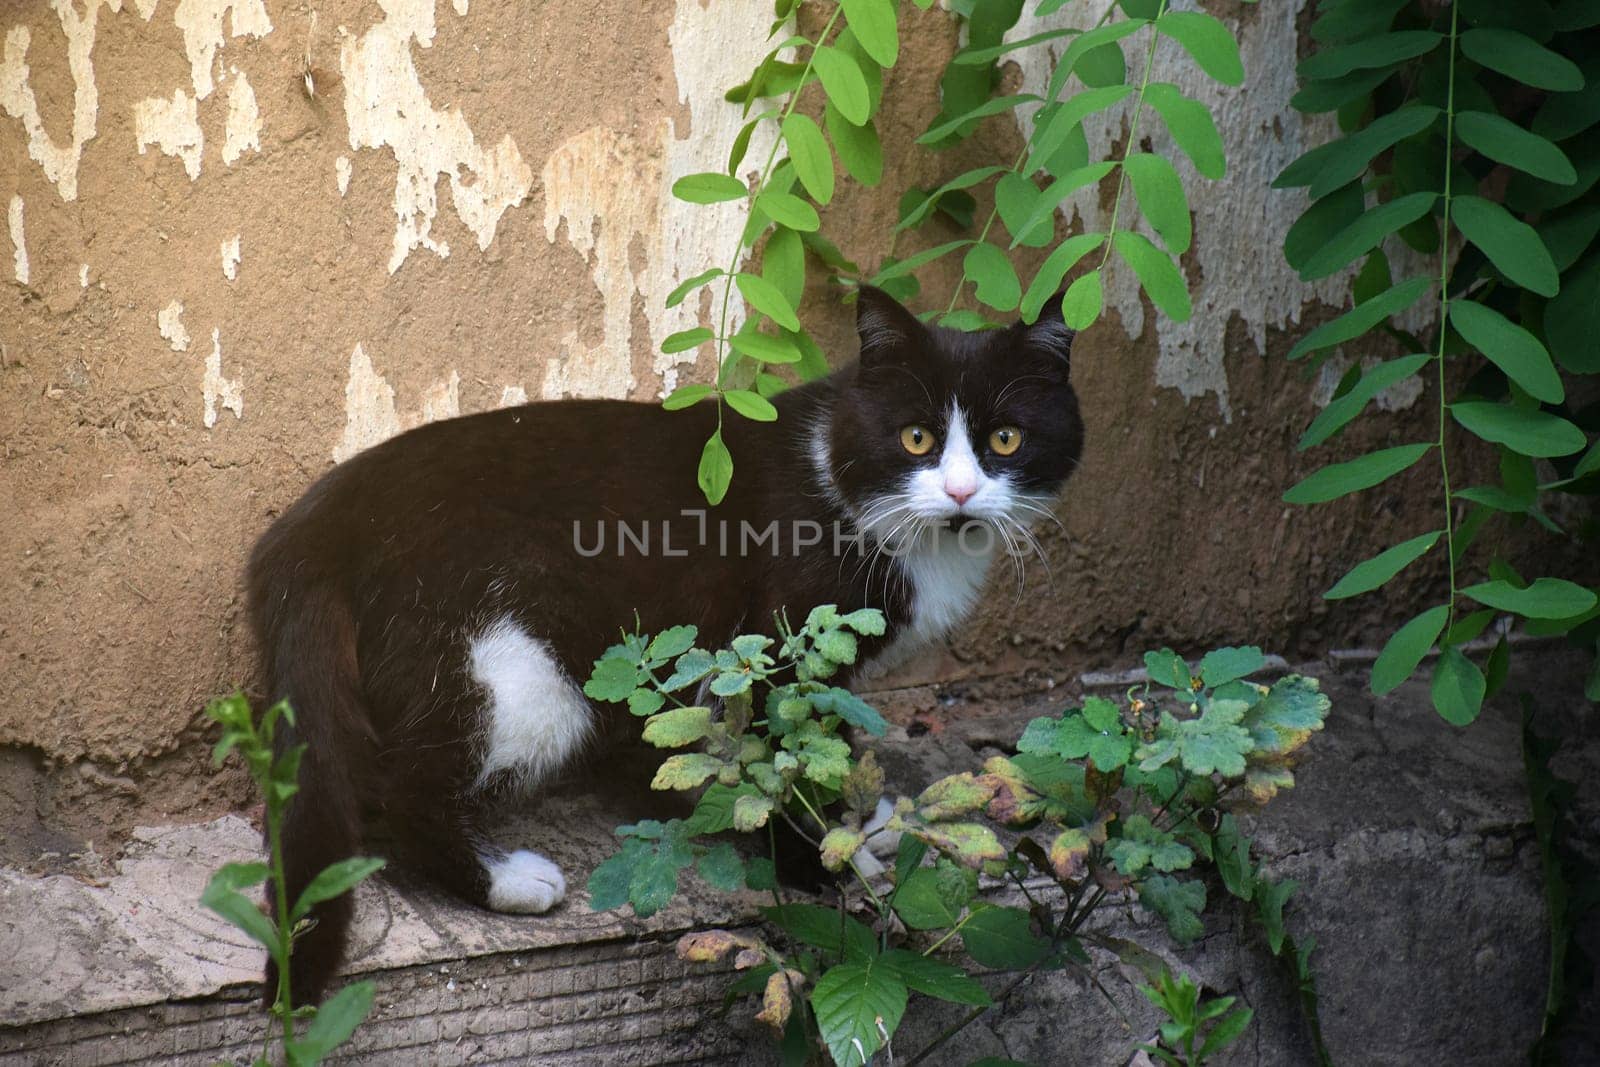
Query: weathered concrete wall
{"points": [[249, 238]]}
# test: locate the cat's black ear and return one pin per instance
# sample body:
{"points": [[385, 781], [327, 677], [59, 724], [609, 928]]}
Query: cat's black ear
{"points": [[885, 327], [1049, 334]]}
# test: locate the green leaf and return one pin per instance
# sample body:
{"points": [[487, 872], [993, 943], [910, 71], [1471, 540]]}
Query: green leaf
{"points": [[1091, 45], [1344, 408], [1179, 903], [1381, 51], [1342, 479], [993, 106], [684, 340], [612, 680], [1509, 347], [1572, 319], [993, 275], [1102, 65], [1529, 433], [713, 476], [1512, 245], [1159, 276], [927, 204], [1225, 665], [221, 897], [1142, 845], [1161, 199], [1003, 938], [684, 288], [1364, 234], [1225, 1032], [332, 881], [1361, 318], [1046, 139], [336, 1019], [1167, 668], [764, 347], [721, 868], [808, 151], [1546, 598], [1336, 164], [678, 727], [1191, 126], [644, 702], [791, 211], [851, 708], [926, 900], [1521, 58], [1042, 205], [751, 405], [912, 262], [1214, 743], [846, 88], [783, 263], [763, 295], [1047, 282], [851, 1001], [714, 811], [709, 188], [1458, 687], [1406, 648], [824, 928], [1504, 141], [858, 146], [1081, 304], [874, 25], [1368, 575], [935, 978], [685, 771], [1207, 40]]}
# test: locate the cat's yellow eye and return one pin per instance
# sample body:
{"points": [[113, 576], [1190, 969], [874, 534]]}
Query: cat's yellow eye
{"points": [[918, 440], [1005, 440]]}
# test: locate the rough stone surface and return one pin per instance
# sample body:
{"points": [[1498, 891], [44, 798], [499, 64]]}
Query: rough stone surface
{"points": [[1410, 839]]}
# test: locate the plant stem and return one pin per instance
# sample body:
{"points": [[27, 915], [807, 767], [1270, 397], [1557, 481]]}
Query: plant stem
{"points": [[723, 356], [994, 211], [284, 1003], [1133, 137], [953, 931], [1444, 310], [865, 884]]}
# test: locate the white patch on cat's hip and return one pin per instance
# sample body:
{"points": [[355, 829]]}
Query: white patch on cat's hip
{"points": [[535, 718], [524, 883]]}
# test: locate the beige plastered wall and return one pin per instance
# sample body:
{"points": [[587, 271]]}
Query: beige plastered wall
{"points": [[247, 238]]}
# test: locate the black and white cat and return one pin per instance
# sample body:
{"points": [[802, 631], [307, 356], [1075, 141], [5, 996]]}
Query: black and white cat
{"points": [[431, 606]]}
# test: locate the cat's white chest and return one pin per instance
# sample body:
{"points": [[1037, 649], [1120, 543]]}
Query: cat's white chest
{"points": [[945, 576]]}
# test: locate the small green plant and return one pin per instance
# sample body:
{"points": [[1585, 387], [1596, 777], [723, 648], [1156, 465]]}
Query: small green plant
{"points": [[276, 776], [1101, 801], [1191, 1019]]}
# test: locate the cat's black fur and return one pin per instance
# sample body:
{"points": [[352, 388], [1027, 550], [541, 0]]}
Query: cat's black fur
{"points": [[366, 593]]}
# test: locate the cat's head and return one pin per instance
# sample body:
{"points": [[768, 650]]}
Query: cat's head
{"points": [[937, 426]]}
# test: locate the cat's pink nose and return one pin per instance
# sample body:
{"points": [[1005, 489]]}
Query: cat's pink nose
{"points": [[960, 494]]}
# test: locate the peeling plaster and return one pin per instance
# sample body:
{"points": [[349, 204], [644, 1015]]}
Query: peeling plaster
{"points": [[170, 322], [172, 126], [1240, 271], [243, 132], [19, 257], [201, 23], [614, 189], [369, 408], [341, 174], [385, 105], [512, 395], [460, 6], [218, 391], [230, 258], [83, 275], [60, 164]]}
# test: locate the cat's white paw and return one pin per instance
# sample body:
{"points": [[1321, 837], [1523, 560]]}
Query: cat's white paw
{"points": [[881, 844], [524, 883]]}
